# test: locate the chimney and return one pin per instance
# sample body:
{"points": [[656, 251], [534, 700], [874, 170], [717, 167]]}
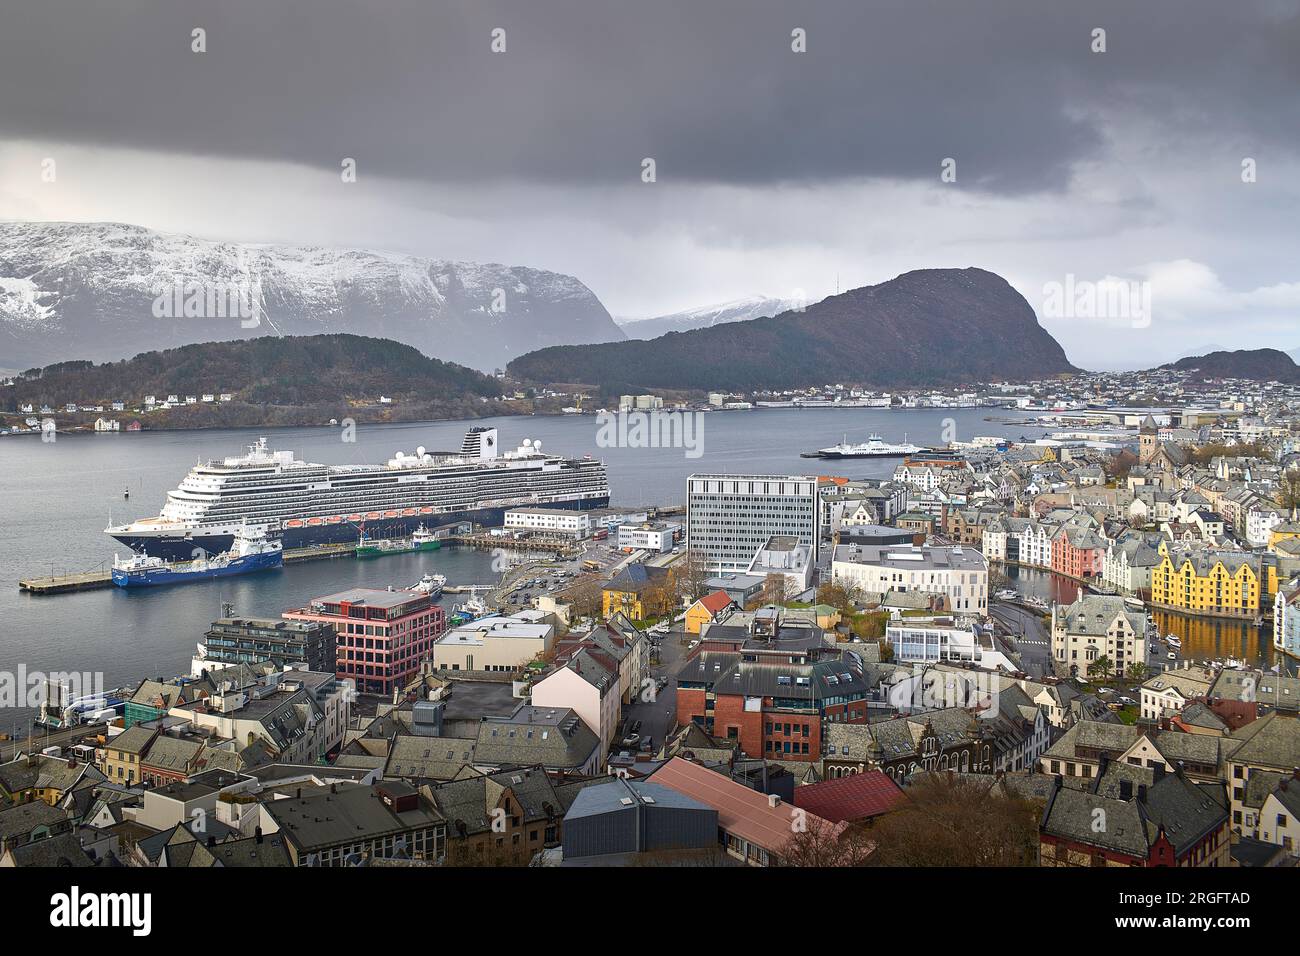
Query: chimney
{"points": [[773, 800], [1142, 792], [212, 841], [257, 834], [1126, 789]]}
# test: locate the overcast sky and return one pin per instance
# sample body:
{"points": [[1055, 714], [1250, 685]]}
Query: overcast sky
{"points": [[777, 172]]}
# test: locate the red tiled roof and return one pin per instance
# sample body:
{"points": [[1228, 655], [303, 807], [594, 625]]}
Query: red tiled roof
{"points": [[854, 797], [716, 601], [741, 811]]}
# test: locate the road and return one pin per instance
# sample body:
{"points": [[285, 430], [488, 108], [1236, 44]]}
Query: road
{"points": [[659, 715], [1035, 647], [41, 739]]}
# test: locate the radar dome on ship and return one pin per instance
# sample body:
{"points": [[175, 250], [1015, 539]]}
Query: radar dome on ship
{"points": [[419, 452]]}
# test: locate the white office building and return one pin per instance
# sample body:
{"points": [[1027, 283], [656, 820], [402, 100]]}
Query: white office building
{"points": [[556, 521], [730, 517], [961, 575], [658, 537]]}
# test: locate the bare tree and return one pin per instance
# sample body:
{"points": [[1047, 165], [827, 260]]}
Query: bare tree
{"points": [[957, 820], [828, 845], [692, 574], [1288, 493]]}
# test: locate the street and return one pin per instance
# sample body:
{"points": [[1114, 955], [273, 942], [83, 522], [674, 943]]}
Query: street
{"points": [[1035, 647], [659, 715]]}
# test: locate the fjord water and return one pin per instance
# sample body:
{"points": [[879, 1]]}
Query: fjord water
{"points": [[57, 499]]}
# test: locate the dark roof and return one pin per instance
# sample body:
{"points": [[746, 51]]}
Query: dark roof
{"points": [[636, 577]]}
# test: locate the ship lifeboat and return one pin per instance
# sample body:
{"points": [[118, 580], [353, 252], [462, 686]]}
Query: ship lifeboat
{"points": [[426, 511], [372, 515], [392, 514], [293, 523], [334, 519], [410, 511], [313, 522], [354, 517]]}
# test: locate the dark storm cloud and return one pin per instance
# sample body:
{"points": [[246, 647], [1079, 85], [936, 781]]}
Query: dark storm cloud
{"points": [[709, 88]]}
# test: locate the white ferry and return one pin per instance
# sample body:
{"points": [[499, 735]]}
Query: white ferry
{"points": [[873, 447]]}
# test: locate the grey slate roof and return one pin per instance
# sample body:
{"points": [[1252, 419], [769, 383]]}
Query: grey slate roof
{"points": [[551, 737]]}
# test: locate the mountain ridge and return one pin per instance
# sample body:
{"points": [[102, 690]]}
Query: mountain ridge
{"points": [[1265, 365], [91, 291], [926, 327], [291, 380]]}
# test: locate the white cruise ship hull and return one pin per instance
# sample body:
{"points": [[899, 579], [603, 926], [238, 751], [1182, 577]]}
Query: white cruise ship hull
{"points": [[305, 504]]}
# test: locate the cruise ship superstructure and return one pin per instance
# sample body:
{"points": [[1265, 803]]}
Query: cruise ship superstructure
{"points": [[308, 504]]}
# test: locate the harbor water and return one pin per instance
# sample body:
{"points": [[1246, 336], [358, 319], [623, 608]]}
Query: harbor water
{"points": [[59, 496]]}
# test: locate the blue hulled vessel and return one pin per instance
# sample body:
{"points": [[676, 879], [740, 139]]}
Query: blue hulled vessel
{"points": [[252, 550]]}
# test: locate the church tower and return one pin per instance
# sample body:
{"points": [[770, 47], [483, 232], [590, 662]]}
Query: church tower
{"points": [[1148, 440]]}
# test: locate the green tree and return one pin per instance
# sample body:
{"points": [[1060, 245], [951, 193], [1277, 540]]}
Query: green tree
{"points": [[1101, 667]]}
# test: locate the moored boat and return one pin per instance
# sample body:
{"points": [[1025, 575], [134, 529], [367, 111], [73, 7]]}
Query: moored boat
{"points": [[253, 550]]}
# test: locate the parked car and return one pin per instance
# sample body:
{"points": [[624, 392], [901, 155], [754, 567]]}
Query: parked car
{"points": [[631, 740]]}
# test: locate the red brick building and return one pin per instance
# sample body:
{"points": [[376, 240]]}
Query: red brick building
{"points": [[772, 708]]}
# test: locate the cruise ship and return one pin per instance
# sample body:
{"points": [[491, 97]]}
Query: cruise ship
{"points": [[307, 504], [873, 447]]}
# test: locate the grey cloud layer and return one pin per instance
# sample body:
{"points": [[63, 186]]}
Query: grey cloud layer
{"points": [[707, 87]]}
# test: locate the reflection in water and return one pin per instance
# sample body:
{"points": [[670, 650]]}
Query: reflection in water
{"points": [[1208, 638], [1204, 638], [1031, 582]]}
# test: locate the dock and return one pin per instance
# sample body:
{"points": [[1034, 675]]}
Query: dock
{"points": [[67, 583], [98, 579]]}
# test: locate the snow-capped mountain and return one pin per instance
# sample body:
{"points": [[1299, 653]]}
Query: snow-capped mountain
{"points": [[737, 310], [105, 291]]}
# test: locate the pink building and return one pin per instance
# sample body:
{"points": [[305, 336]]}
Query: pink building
{"points": [[382, 635], [1078, 552]]}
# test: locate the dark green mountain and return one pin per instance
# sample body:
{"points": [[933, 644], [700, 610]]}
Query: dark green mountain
{"points": [[925, 328], [1261, 365]]}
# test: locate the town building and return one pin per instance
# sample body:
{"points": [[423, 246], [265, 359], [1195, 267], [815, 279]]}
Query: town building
{"points": [[639, 591], [958, 574], [709, 609], [495, 643], [755, 828], [242, 640], [658, 537], [619, 821], [1150, 818], [348, 824], [1219, 583], [551, 521], [730, 517], [587, 683], [1093, 627], [382, 636]]}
